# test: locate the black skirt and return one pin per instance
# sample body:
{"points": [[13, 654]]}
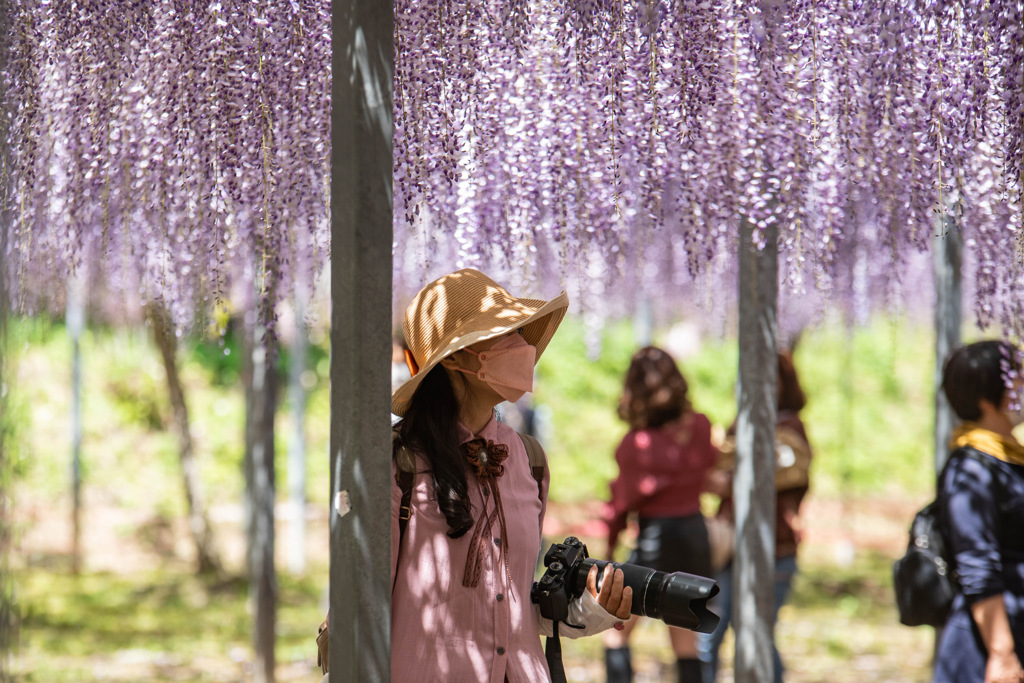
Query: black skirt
{"points": [[673, 544]]}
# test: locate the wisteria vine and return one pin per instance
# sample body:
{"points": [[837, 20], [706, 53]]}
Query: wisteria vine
{"points": [[645, 130], [176, 149], [181, 147]]}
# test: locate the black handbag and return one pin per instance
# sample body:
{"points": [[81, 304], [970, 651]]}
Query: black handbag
{"points": [[924, 578]]}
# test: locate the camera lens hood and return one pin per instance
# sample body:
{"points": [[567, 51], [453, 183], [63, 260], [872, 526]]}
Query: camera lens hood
{"points": [[679, 599]]}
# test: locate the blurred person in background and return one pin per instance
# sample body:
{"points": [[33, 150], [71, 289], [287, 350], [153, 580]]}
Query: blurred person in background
{"points": [[463, 564], [662, 463], [400, 372], [792, 479], [982, 513], [520, 415], [399, 366]]}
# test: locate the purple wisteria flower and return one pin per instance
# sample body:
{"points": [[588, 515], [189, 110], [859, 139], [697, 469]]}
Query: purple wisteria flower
{"points": [[184, 146]]}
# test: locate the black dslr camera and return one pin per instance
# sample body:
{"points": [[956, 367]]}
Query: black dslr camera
{"points": [[678, 599]]}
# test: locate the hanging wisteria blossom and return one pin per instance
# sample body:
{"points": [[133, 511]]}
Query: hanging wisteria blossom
{"points": [[180, 145], [615, 145], [644, 131]]}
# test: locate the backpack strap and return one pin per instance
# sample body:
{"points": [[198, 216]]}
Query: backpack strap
{"points": [[405, 473], [323, 641], [538, 461], [405, 481]]}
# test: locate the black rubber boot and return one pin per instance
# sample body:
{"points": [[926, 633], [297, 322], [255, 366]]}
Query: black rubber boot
{"points": [[690, 671], [618, 665]]}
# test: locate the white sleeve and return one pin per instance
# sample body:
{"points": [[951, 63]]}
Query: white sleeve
{"points": [[584, 611]]}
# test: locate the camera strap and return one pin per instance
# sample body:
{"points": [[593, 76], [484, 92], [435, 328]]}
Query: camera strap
{"points": [[553, 653]]}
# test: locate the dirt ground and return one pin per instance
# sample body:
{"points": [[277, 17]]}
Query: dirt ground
{"points": [[835, 643], [143, 538]]}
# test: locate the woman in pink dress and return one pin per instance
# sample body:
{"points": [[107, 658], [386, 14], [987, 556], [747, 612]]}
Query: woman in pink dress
{"points": [[463, 566]]}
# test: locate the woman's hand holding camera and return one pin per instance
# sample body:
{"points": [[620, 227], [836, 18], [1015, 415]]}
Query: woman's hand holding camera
{"points": [[615, 599]]}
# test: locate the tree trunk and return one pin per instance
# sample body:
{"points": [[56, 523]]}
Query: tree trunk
{"points": [[297, 445], [261, 381], [7, 608], [754, 483], [75, 319], [947, 249], [207, 558], [643, 322], [361, 271]]}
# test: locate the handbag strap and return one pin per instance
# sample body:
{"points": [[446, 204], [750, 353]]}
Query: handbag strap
{"points": [[538, 461]]}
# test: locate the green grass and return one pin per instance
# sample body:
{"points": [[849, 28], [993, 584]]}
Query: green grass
{"points": [[869, 412], [126, 414], [869, 417], [72, 624]]}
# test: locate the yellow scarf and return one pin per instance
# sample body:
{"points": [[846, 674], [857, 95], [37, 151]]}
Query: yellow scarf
{"points": [[1007, 449]]}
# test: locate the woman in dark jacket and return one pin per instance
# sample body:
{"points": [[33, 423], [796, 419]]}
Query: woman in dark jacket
{"points": [[982, 510]]}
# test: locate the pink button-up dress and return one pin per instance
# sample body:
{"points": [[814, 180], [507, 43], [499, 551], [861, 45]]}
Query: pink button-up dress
{"points": [[443, 631]]}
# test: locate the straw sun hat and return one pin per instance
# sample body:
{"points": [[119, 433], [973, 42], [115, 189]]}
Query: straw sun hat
{"points": [[461, 309]]}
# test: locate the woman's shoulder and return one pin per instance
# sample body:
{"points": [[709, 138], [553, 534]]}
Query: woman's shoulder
{"points": [[406, 457], [699, 419], [693, 423], [970, 459], [691, 429], [973, 468], [508, 435]]}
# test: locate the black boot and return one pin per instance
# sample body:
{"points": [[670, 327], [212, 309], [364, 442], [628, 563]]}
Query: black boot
{"points": [[690, 671], [618, 665]]}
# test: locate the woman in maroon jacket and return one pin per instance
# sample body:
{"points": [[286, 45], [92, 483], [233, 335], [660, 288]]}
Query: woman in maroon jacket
{"points": [[663, 460]]}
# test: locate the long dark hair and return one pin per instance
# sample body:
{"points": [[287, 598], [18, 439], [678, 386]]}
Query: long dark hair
{"points": [[430, 428], [791, 396], [654, 392]]}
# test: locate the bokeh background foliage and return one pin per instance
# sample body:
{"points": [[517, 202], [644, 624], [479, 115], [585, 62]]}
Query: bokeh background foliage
{"points": [[138, 612], [869, 411]]}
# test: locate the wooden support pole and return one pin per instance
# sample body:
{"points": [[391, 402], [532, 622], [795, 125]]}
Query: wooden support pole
{"points": [[754, 483], [361, 234], [947, 247]]}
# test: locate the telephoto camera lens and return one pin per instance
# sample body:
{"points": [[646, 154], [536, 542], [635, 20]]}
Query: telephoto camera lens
{"points": [[678, 599]]}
